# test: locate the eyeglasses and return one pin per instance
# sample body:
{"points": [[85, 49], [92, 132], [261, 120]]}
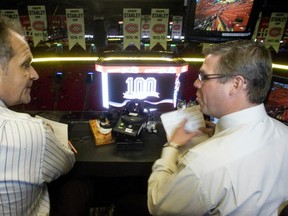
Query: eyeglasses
{"points": [[203, 77], [80, 140]]}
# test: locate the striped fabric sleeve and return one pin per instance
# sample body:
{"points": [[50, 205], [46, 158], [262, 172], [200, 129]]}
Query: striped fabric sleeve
{"points": [[57, 158], [22, 144]]}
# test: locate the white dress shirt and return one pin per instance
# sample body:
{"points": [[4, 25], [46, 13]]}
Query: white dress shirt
{"points": [[30, 156], [241, 170]]}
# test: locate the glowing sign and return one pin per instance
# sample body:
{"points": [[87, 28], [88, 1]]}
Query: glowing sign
{"points": [[140, 88], [141, 69], [153, 84]]}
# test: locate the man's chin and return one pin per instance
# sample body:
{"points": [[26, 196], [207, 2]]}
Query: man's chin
{"points": [[24, 101], [27, 101], [200, 104], [202, 108]]}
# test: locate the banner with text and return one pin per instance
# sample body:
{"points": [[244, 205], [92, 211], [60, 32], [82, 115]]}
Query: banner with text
{"points": [[145, 25], [75, 27], [275, 30], [131, 27], [38, 22], [255, 33], [176, 32], [12, 14], [159, 27]]}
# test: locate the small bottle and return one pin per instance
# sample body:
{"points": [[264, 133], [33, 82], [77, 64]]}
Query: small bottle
{"points": [[181, 104], [192, 102]]}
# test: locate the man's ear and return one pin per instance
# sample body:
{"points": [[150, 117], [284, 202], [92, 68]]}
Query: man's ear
{"points": [[3, 73], [1, 70], [238, 84]]}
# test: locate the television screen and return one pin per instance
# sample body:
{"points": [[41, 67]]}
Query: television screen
{"points": [[277, 101], [222, 20], [155, 85]]}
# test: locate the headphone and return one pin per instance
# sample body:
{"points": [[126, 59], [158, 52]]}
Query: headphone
{"points": [[133, 112]]}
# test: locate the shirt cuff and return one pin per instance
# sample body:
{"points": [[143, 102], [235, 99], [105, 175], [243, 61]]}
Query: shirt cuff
{"points": [[170, 155]]}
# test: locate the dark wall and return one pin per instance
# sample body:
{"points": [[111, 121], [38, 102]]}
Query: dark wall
{"points": [[64, 86], [67, 87]]}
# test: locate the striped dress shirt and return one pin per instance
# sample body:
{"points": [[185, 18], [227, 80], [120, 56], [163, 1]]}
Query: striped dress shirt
{"points": [[30, 157]]}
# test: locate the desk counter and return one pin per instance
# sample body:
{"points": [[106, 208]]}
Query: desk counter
{"points": [[107, 160]]}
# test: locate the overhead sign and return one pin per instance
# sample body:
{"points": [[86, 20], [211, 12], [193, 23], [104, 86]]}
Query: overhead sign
{"points": [[176, 31], [131, 27], [75, 27], [275, 30], [145, 24], [38, 22], [159, 27], [12, 14]]}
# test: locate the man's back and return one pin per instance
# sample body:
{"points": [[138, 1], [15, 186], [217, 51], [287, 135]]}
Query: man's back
{"points": [[244, 166], [240, 170], [24, 169]]}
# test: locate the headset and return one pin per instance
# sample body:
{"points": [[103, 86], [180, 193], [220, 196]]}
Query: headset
{"points": [[133, 113]]}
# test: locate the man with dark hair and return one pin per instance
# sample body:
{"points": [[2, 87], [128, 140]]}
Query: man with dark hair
{"points": [[242, 168]]}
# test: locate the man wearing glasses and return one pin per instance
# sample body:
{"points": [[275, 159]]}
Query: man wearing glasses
{"points": [[242, 168]]}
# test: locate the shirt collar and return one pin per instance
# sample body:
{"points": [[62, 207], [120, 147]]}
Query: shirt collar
{"points": [[2, 104], [250, 114]]}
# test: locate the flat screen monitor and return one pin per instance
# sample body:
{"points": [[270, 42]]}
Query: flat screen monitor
{"points": [[156, 86], [277, 100], [221, 20]]}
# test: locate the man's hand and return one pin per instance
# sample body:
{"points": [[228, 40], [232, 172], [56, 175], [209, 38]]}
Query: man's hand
{"points": [[182, 137], [209, 129]]}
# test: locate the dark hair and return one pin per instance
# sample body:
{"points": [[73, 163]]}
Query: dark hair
{"points": [[248, 59], [6, 26]]}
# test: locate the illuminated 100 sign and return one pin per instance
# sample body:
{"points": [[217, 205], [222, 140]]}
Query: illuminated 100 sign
{"points": [[140, 88]]}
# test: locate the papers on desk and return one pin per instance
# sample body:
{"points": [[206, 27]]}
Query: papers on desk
{"points": [[171, 120], [60, 129]]}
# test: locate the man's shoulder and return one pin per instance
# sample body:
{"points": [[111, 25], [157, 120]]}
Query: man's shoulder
{"points": [[279, 125], [10, 115]]}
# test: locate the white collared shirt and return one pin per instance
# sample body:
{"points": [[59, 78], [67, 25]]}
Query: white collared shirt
{"points": [[30, 157], [241, 170]]}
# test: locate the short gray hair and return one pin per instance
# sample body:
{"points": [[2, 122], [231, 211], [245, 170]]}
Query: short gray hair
{"points": [[6, 51], [248, 59]]}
